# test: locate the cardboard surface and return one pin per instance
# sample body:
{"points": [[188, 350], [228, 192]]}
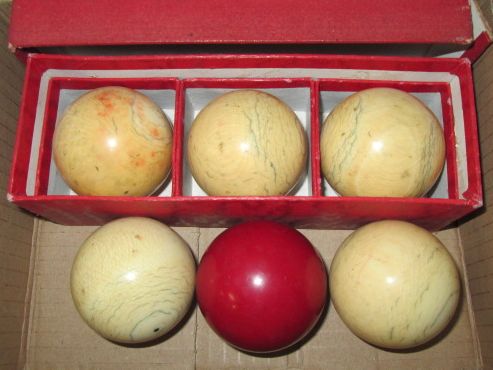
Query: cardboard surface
{"points": [[58, 338], [486, 7], [477, 234], [16, 227], [58, 22]]}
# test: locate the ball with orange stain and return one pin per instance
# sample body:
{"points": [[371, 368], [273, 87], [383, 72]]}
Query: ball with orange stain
{"points": [[113, 141]]}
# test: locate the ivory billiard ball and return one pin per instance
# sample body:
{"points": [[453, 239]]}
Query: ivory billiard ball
{"points": [[133, 280], [261, 286], [247, 142], [394, 284], [382, 142], [113, 141]]}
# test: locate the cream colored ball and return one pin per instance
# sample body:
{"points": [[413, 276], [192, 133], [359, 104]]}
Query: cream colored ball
{"points": [[394, 284], [247, 142], [382, 142], [133, 280], [113, 141]]}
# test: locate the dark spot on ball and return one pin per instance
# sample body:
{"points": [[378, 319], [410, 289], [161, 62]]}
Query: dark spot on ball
{"points": [[156, 330], [155, 132]]}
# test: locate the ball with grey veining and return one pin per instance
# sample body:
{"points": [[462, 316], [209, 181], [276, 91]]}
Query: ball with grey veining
{"points": [[247, 142], [382, 142], [394, 284], [113, 141], [133, 280]]}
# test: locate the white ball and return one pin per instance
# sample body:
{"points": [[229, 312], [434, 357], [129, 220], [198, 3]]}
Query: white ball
{"points": [[133, 280]]}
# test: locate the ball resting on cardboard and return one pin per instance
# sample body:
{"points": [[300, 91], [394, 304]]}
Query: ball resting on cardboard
{"points": [[394, 284], [133, 280]]}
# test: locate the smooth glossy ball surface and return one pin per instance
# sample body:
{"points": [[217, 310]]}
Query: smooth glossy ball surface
{"points": [[394, 284], [261, 286], [247, 142], [133, 280], [113, 141], [382, 142]]}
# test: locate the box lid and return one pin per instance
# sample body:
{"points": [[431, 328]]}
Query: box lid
{"points": [[46, 23]]}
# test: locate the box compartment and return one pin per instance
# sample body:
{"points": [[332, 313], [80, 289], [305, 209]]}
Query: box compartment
{"points": [[296, 93], [436, 96], [61, 93]]}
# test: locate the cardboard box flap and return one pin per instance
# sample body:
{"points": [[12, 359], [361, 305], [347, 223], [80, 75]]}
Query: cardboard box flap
{"points": [[46, 23]]}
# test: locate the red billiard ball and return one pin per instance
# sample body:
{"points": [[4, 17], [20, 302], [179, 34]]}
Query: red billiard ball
{"points": [[261, 286]]}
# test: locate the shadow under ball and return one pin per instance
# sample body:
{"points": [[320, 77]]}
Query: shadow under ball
{"points": [[382, 142], [113, 141], [394, 284], [247, 142], [133, 280]]}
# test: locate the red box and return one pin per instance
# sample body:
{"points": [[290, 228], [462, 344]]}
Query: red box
{"points": [[310, 84], [48, 23]]}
